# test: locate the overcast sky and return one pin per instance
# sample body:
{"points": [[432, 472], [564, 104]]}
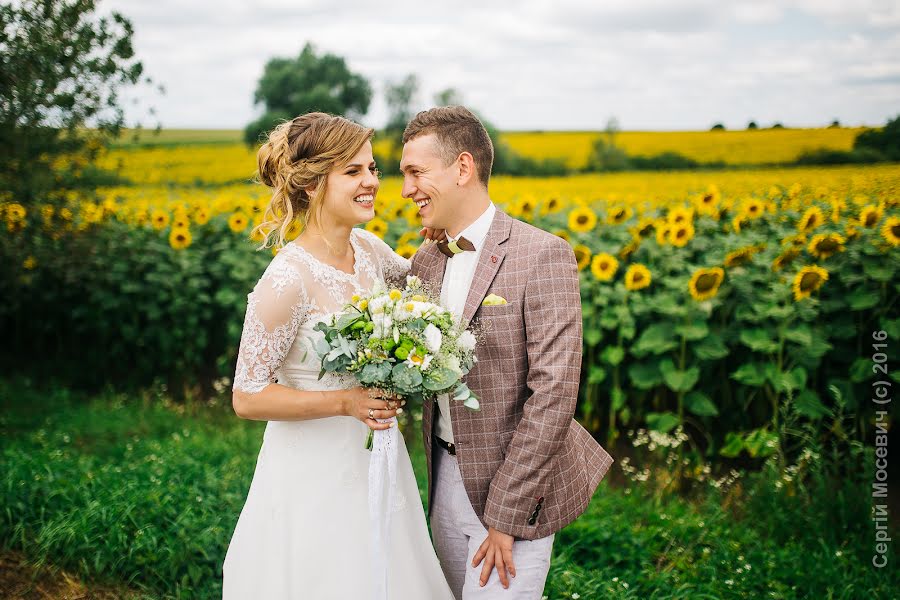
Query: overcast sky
{"points": [[652, 64]]}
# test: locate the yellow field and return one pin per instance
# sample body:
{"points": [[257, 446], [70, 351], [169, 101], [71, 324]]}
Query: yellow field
{"points": [[226, 160], [527, 197], [732, 147]]}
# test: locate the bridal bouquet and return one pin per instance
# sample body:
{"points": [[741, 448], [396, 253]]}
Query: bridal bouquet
{"points": [[404, 342], [401, 341]]}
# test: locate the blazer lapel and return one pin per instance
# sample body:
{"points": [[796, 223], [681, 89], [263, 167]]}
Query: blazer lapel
{"points": [[488, 263]]}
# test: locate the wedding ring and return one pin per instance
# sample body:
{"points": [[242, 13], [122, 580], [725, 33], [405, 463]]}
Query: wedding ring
{"points": [[371, 413]]}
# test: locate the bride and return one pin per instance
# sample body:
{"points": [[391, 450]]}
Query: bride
{"points": [[303, 531]]}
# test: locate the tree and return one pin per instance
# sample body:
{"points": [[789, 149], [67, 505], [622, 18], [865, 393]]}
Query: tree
{"points": [[752, 125], [448, 97], [718, 127], [884, 141], [293, 86], [61, 72]]}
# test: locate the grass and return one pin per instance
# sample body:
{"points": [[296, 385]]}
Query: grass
{"points": [[134, 491]]}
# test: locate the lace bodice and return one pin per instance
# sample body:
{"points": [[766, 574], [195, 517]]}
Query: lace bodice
{"points": [[292, 295]]}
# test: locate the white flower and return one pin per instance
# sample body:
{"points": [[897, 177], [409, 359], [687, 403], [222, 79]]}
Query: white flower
{"points": [[433, 338], [466, 341], [422, 362], [413, 281], [378, 304], [452, 363], [382, 326]]}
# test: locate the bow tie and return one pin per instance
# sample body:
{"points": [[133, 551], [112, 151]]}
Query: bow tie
{"points": [[451, 249]]}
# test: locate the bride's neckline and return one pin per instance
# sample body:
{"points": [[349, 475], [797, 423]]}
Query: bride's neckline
{"points": [[357, 256]]}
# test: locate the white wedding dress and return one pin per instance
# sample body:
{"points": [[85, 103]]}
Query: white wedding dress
{"points": [[304, 531]]}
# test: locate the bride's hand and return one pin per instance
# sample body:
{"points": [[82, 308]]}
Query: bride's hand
{"points": [[434, 235], [359, 400]]}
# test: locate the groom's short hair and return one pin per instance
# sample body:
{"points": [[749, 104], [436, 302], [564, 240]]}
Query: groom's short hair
{"points": [[456, 130]]}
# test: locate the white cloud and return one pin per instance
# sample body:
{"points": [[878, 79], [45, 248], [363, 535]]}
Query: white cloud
{"points": [[542, 65]]}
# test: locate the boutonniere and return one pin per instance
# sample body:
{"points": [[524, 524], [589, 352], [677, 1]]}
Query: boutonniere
{"points": [[494, 300]]}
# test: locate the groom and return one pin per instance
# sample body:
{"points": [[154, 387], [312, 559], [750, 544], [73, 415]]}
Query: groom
{"points": [[504, 480]]}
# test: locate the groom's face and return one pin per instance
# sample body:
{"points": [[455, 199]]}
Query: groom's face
{"points": [[428, 182]]}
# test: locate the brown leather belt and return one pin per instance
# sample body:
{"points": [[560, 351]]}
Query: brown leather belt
{"points": [[451, 448]]}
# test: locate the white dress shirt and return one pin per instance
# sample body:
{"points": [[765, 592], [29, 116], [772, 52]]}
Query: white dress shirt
{"points": [[458, 276]]}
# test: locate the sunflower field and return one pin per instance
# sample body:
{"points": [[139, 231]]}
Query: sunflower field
{"points": [[726, 304]]}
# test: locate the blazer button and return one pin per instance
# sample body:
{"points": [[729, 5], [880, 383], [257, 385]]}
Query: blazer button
{"points": [[534, 515], [531, 521], [538, 507], [540, 500]]}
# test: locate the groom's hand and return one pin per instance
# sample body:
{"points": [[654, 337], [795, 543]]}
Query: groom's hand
{"points": [[496, 551], [433, 235]]}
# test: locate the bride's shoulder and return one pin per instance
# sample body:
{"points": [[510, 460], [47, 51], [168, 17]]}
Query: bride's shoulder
{"points": [[285, 269]]}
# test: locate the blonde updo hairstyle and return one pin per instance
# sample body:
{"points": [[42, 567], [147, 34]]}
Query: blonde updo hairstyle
{"points": [[298, 155]]}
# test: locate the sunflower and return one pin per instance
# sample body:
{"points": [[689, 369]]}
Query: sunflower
{"points": [[891, 230], [629, 248], [582, 219], [159, 219], [662, 232], [563, 234], [811, 219], [293, 230], [681, 234], [378, 226], [406, 250], [680, 215], [737, 222], [808, 280], [870, 215], [852, 231], [30, 263], [582, 256], [637, 277], [201, 216], [408, 238], [524, 207], [412, 215], [752, 208], [256, 233], [398, 211], [604, 266], [709, 199], [704, 284], [617, 215], [180, 238], [551, 206], [824, 245], [643, 228], [707, 203], [785, 259], [15, 212], [237, 222], [740, 256], [181, 221]]}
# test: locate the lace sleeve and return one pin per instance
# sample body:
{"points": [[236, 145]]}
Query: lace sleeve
{"points": [[276, 308], [394, 267]]}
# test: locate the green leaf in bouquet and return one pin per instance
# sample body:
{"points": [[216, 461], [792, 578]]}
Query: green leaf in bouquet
{"points": [[439, 379], [406, 379], [375, 373], [347, 320], [464, 394]]}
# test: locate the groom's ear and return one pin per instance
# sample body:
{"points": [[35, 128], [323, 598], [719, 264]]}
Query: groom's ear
{"points": [[466, 168]]}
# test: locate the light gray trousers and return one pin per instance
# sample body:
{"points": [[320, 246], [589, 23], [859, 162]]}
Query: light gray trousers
{"points": [[458, 534]]}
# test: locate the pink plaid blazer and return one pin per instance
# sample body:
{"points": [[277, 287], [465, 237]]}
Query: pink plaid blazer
{"points": [[528, 467]]}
